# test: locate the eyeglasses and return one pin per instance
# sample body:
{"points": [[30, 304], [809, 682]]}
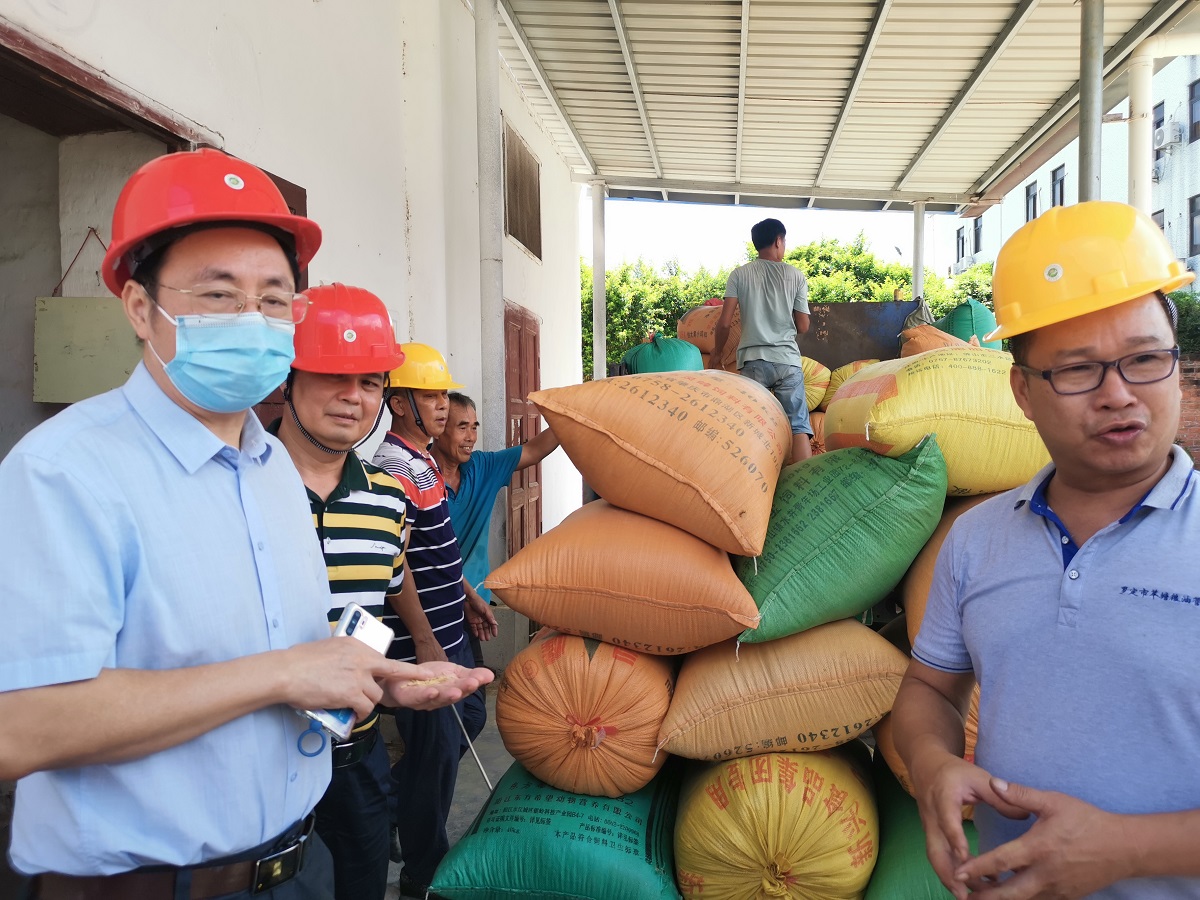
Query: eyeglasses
{"points": [[218, 299], [1144, 367]]}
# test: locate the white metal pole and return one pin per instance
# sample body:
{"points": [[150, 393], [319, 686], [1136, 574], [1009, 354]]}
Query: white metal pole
{"points": [[1091, 102], [599, 295], [918, 268], [491, 221]]}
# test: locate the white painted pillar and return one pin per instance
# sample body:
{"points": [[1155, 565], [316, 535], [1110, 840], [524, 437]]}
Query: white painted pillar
{"points": [[491, 223], [918, 266], [599, 294], [1091, 101], [1141, 109]]}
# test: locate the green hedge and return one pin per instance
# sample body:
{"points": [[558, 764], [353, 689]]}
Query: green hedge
{"points": [[1189, 320]]}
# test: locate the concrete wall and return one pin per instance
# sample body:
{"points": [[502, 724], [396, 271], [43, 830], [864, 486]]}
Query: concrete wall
{"points": [[1181, 164], [29, 267]]}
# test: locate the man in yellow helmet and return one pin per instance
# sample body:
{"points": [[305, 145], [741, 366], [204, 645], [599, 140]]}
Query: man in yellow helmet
{"points": [[1074, 600], [418, 399]]}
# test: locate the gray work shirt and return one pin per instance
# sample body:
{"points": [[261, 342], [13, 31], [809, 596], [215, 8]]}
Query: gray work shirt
{"points": [[1085, 656], [768, 292]]}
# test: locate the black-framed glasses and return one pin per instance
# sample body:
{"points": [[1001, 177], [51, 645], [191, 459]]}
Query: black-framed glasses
{"points": [[1143, 367], [223, 299]]}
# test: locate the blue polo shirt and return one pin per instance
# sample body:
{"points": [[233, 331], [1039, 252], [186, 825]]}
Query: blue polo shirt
{"points": [[1085, 656], [135, 538], [480, 480]]}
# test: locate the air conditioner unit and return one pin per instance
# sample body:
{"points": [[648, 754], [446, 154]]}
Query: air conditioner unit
{"points": [[1167, 135]]}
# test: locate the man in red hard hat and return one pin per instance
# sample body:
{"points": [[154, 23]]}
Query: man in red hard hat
{"points": [[164, 602], [345, 348]]}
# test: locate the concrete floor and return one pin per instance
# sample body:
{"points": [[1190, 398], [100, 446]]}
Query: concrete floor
{"points": [[471, 791]]}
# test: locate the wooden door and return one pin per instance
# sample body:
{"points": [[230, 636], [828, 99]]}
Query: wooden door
{"points": [[522, 376]]}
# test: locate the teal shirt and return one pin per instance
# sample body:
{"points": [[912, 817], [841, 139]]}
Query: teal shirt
{"points": [[480, 480]]}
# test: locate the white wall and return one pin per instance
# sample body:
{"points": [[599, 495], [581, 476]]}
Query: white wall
{"points": [[29, 267], [1181, 165]]}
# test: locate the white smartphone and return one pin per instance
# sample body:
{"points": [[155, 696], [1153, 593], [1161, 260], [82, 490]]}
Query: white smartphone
{"points": [[357, 623]]}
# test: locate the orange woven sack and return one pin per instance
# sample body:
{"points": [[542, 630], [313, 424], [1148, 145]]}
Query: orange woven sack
{"points": [[816, 381], [582, 715], [914, 589], [617, 576], [817, 420], [885, 743], [926, 337], [699, 326], [791, 826], [699, 450], [809, 691]]}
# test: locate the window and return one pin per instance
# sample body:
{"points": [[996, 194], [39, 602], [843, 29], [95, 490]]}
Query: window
{"points": [[978, 234], [1194, 105], [1031, 209], [522, 193], [960, 247], [1058, 184], [1160, 119], [1194, 230], [1160, 220]]}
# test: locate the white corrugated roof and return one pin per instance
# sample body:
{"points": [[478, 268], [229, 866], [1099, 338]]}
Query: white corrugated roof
{"points": [[842, 103]]}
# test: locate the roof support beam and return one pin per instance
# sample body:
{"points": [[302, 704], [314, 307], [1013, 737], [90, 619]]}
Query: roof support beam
{"points": [[543, 80], [614, 7], [741, 109], [1018, 18], [683, 185], [860, 70], [1163, 13]]}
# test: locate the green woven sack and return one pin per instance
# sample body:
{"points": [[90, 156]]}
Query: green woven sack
{"points": [[902, 870], [844, 528], [967, 319], [663, 354], [536, 842]]}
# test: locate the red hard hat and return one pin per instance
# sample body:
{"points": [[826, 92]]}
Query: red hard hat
{"points": [[346, 329], [194, 187]]}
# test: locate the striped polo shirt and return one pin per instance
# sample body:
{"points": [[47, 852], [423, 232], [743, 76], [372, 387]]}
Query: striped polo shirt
{"points": [[433, 556], [361, 531]]}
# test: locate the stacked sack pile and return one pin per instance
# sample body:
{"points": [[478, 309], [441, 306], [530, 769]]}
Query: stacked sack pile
{"points": [[775, 682], [688, 464]]}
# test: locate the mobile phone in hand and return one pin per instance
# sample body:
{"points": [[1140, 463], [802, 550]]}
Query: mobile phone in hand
{"points": [[357, 623]]}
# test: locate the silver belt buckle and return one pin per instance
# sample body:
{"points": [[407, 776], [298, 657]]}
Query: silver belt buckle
{"points": [[272, 871]]}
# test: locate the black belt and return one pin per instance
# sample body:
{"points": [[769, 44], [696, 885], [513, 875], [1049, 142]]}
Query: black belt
{"points": [[349, 753], [215, 879]]}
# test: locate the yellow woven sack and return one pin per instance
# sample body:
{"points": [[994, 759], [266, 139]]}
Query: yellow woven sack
{"points": [[816, 381], [801, 826], [617, 576], [839, 376], [963, 395], [582, 715], [699, 450], [809, 691]]}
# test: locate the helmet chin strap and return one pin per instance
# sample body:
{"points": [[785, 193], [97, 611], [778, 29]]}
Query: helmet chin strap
{"points": [[287, 397], [412, 404]]}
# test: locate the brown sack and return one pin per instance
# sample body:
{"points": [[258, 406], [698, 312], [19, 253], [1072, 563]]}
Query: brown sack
{"points": [[919, 578], [699, 326], [926, 337], [617, 576], [817, 421], [809, 691], [582, 715], [699, 450]]}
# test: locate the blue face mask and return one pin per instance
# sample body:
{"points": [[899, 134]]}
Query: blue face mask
{"points": [[227, 363]]}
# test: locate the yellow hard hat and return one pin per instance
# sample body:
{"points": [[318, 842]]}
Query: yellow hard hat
{"points": [[423, 369], [1075, 260]]}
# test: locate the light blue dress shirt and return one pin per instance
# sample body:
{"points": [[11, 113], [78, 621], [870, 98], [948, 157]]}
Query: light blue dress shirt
{"points": [[135, 538]]}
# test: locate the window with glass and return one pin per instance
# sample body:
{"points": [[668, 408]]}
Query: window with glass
{"points": [[1160, 219], [1160, 119], [979, 234], [1031, 204], [1058, 186], [1194, 107], [1194, 230], [960, 246]]}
